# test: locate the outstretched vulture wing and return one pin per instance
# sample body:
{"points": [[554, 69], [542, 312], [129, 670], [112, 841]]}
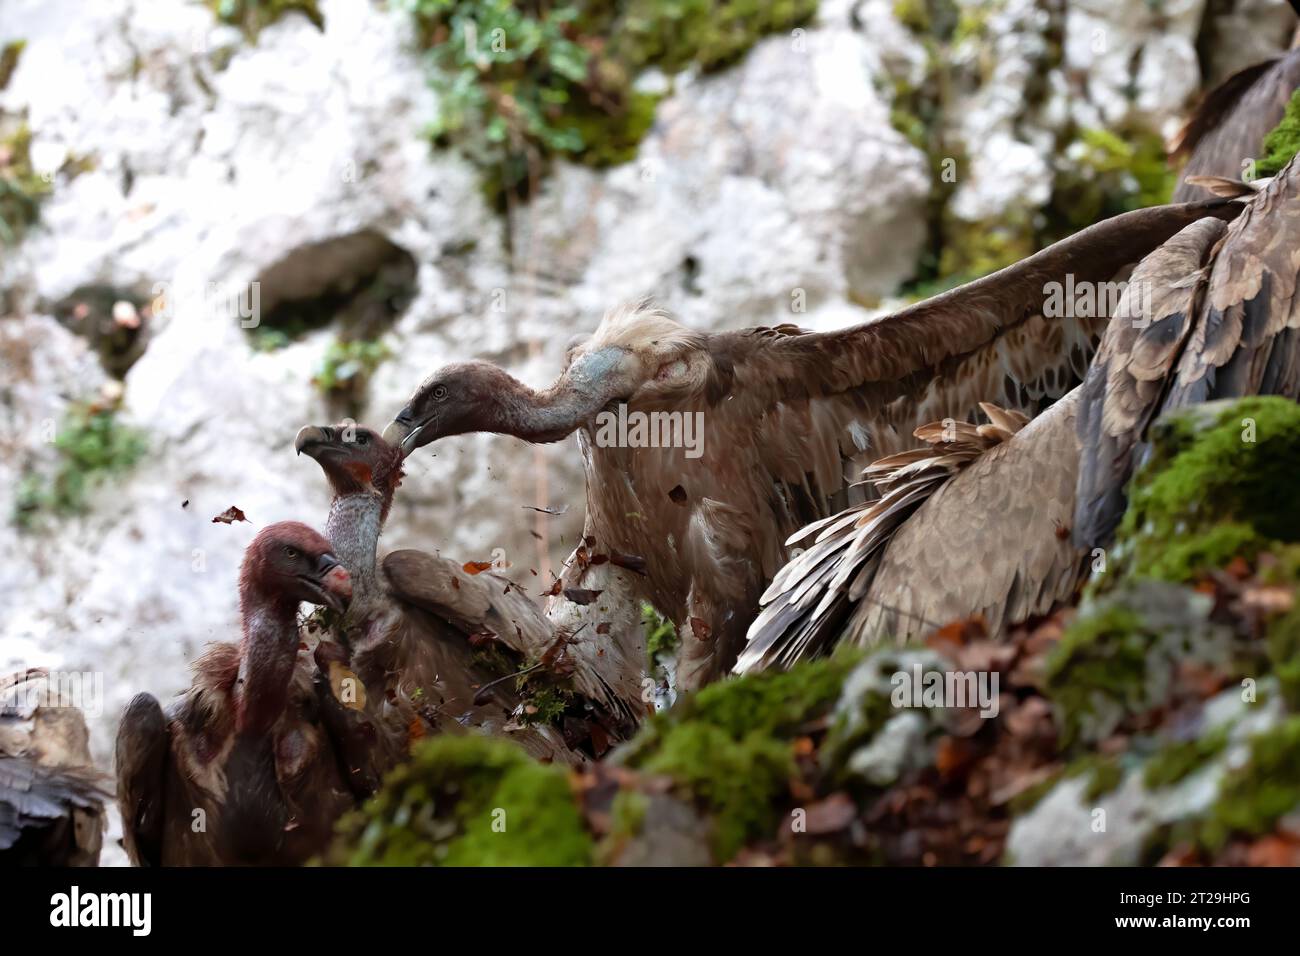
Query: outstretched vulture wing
{"points": [[822, 405], [489, 603], [1216, 316]]}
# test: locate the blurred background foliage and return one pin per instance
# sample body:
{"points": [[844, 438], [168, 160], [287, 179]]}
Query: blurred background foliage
{"points": [[522, 83]]}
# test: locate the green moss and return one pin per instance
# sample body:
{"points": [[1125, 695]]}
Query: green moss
{"points": [[1106, 173], [1099, 663], [730, 746], [347, 366], [92, 446], [628, 813], [10, 53], [1283, 140], [1104, 773], [913, 14], [21, 188], [1208, 495], [660, 634], [253, 16], [1180, 760], [467, 801], [549, 705], [1283, 649], [1253, 799], [975, 249], [522, 83], [1032, 796]]}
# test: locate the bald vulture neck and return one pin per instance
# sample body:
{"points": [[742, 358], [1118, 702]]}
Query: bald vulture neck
{"points": [[353, 528], [551, 414], [266, 658]]}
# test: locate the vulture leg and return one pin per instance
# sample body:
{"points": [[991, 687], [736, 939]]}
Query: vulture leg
{"points": [[142, 745]]}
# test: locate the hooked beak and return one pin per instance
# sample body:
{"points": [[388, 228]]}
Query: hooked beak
{"points": [[313, 440], [404, 432], [331, 583]]}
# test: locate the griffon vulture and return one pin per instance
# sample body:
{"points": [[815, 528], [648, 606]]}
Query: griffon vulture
{"points": [[787, 418], [416, 619], [1007, 531], [243, 768]]}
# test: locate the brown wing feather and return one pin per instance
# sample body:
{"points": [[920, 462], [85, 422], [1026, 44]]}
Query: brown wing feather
{"points": [[483, 603], [968, 526], [1223, 321], [818, 406], [1130, 373], [987, 543]]}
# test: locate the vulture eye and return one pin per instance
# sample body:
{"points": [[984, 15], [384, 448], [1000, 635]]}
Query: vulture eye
{"points": [[439, 392], [290, 552]]}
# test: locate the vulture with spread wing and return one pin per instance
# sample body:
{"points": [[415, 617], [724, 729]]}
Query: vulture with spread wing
{"points": [[51, 797], [786, 417], [421, 627], [1002, 521]]}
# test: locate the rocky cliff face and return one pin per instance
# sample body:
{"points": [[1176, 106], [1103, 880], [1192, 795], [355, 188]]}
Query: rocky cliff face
{"points": [[186, 161]]}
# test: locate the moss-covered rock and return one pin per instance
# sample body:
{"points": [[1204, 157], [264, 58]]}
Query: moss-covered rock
{"points": [[1216, 487], [730, 747], [1121, 656], [1176, 761], [468, 801], [871, 739], [1254, 797]]}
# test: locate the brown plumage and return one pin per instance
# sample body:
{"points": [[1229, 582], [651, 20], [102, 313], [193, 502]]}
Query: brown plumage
{"points": [[1217, 317], [243, 768], [51, 797], [1227, 129], [789, 417], [420, 624], [933, 547]]}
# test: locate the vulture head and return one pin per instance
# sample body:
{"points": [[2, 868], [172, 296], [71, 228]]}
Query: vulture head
{"points": [[638, 353], [289, 563], [356, 459]]}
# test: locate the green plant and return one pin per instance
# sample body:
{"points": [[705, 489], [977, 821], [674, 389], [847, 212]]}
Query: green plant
{"points": [[21, 188], [92, 445], [522, 83], [347, 365], [9, 56], [253, 16], [660, 635], [467, 801]]}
